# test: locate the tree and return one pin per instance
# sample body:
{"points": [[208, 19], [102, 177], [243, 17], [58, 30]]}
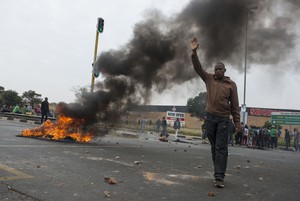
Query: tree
{"points": [[79, 93], [1, 99], [10, 98], [31, 97], [196, 106]]}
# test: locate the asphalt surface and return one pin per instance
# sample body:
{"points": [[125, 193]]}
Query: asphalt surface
{"points": [[143, 168]]}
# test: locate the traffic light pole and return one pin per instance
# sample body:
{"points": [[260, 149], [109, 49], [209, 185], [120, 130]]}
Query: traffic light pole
{"points": [[95, 57]]}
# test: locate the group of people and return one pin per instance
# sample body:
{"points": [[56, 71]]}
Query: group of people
{"points": [[264, 137], [42, 110], [164, 124]]}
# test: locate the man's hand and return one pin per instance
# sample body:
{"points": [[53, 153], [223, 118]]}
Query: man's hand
{"points": [[194, 44], [238, 127]]}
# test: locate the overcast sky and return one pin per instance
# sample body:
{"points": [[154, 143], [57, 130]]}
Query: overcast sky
{"points": [[48, 46]]}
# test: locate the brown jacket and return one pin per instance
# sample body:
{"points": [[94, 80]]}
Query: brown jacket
{"points": [[222, 97]]}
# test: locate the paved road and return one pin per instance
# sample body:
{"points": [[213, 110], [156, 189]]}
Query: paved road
{"points": [[33, 169]]}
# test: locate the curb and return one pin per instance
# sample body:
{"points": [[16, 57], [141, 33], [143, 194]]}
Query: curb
{"points": [[20, 120]]}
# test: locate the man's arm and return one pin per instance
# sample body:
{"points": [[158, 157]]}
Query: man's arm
{"points": [[195, 60]]}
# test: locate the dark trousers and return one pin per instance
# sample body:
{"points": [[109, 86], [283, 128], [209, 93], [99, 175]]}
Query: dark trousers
{"points": [[238, 138], [260, 141], [274, 142], [217, 133], [44, 114]]}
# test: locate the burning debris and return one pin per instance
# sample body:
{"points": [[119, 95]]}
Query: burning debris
{"points": [[63, 128]]}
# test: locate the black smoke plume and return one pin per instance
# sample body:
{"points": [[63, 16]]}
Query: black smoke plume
{"points": [[158, 55]]}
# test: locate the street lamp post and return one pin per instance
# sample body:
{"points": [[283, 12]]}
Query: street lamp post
{"points": [[243, 108]]}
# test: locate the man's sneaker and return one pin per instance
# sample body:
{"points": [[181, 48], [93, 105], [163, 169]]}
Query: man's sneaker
{"points": [[219, 183]]}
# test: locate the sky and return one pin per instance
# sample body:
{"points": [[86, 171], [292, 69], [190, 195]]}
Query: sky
{"points": [[48, 46]]}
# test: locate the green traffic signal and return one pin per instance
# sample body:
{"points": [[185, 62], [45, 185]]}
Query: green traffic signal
{"points": [[100, 24]]}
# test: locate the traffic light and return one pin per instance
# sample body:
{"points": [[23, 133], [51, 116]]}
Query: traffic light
{"points": [[96, 72], [100, 26]]}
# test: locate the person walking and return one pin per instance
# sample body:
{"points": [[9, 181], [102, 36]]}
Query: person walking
{"points": [[176, 127], [222, 101], [44, 110], [164, 125]]}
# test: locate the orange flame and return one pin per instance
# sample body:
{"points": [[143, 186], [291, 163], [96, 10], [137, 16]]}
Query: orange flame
{"points": [[63, 128]]}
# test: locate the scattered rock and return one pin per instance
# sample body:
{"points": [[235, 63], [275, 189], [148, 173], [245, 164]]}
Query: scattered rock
{"points": [[163, 139], [211, 194], [117, 157], [107, 194], [110, 180], [248, 161], [138, 162], [238, 167], [260, 179], [38, 166]]}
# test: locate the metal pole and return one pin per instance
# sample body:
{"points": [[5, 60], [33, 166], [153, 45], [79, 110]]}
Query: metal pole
{"points": [[95, 57], [245, 69]]}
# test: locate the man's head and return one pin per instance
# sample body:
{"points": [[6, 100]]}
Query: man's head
{"points": [[220, 70], [46, 98]]}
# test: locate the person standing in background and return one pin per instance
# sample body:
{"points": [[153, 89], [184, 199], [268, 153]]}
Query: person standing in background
{"points": [[287, 139], [44, 110]]}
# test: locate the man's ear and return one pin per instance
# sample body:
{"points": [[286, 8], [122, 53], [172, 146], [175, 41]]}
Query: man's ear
{"points": [[224, 69]]}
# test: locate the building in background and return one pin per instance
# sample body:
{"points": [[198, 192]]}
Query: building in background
{"points": [[256, 116]]}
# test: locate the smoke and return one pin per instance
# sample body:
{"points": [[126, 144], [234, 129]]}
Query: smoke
{"points": [[158, 55]]}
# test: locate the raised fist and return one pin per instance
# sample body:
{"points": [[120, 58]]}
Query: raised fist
{"points": [[194, 44]]}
